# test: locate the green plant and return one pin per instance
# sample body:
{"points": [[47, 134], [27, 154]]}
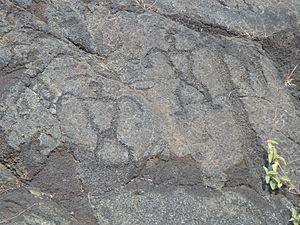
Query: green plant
{"points": [[276, 176], [295, 216]]}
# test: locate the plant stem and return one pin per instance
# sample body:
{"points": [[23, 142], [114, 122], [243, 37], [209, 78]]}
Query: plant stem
{"points": [[290, 184]]}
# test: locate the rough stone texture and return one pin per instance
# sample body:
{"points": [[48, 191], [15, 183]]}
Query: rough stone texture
{"points": [[114, 114]]}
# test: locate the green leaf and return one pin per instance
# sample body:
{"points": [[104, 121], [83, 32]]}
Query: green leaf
{"points": [[270, 147], [276, 178], [279, 184], [285, 178], [273, 184], [272, 142], [270, 156], [267, 178], [275, 154], [292, 219], [280, 158], [272, 173], [275, 167], [266, 170], [296, 223], [294, 212]]}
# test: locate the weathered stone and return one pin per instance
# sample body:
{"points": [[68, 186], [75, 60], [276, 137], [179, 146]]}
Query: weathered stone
{"points": [[183, 208], [112, 112]]}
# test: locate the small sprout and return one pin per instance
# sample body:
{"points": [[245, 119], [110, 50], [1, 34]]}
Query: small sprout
{"points": [[276, 179]]}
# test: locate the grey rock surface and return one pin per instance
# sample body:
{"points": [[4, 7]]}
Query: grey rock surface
{"points": [[112, 113]]}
